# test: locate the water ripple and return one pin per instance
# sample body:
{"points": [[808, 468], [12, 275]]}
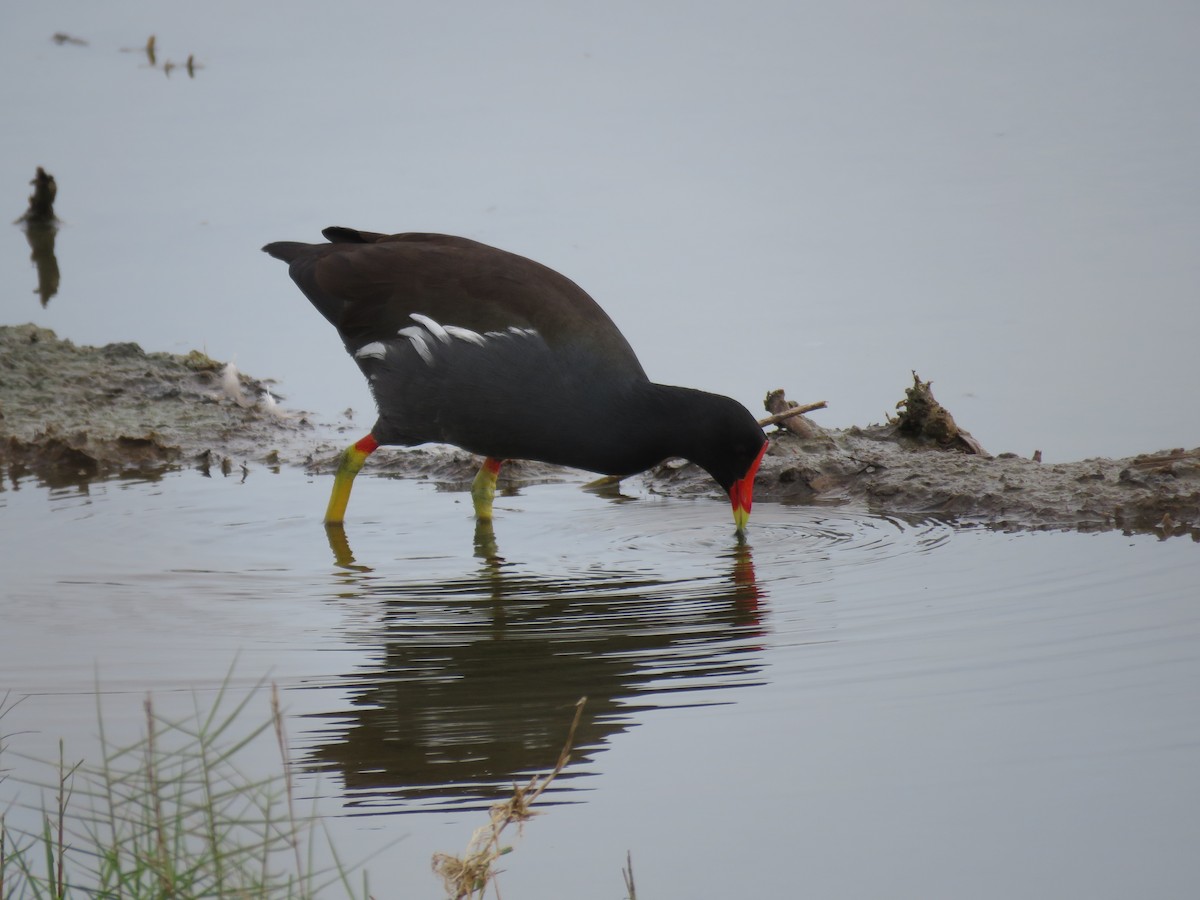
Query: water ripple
{"points": [[473, 672]]}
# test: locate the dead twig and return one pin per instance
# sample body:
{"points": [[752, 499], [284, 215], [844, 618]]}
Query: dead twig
{"points": [[789, 415], [464, 876], [792, 411], [1163, 460]]}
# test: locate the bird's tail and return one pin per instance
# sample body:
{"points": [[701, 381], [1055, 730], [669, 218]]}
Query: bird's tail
{"points": [[286, 250], [339, 234]]}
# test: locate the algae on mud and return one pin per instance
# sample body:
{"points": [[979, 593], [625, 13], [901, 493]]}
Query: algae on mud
{"points": [[69, 413]]}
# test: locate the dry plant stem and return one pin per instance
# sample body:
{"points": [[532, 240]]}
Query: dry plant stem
{"points": [[111, 802], [794, 411], [204, 747], [630, 888], [109, 796], [565, 755], [471, 873], [62, 799], [281, 736], [156, 798]]}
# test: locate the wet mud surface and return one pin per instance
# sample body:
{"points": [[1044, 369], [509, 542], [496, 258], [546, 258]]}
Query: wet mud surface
{"points": [[70, 413], [1155, 492]]}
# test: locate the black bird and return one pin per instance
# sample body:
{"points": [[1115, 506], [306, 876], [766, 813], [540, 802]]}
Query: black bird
{"points": [[469, 345]]}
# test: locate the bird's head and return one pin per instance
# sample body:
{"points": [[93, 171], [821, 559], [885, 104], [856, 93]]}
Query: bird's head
{"points": [[731, 453]]}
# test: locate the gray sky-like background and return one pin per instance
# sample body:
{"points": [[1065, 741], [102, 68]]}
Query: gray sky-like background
{"points": [[819, 197]]}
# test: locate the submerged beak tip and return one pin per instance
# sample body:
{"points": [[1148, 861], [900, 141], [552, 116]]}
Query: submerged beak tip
{"points": [[741, 495], [741, 508]]}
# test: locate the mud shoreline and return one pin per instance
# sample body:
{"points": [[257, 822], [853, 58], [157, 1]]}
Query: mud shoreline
{"points": [[69, 414]]}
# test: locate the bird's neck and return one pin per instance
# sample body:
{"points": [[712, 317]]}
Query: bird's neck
{"points": [[667, 421]]}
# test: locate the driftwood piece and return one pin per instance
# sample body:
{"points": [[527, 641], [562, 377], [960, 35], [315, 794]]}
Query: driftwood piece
{"points": [[923, 418], [41, 201], [789, 414]]}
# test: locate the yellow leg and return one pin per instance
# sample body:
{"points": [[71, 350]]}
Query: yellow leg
{"points": [[483, 488], [351, 461]]}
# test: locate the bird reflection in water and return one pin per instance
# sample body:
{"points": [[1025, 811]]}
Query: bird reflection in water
{"points": [[343, 556], [473, 681], [339, 545]]}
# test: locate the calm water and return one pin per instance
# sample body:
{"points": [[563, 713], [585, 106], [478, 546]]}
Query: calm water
{"points": [[809, 196], [846, 687], [814, 197]]}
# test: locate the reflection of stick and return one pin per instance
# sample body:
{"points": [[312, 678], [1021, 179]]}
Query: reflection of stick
{"points": [[41, 237], [793, 411], [563, 757]]}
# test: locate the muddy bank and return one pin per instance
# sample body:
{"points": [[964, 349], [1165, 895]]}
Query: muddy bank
{"points": [[70, 413], [1157, 492]]}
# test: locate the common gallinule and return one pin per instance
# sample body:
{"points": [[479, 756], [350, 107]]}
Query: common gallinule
{"points": [[469, 345]]}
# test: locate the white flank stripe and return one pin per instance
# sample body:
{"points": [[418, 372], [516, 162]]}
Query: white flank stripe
{"points": [[512, 331], [434, 328], [417, 337], [465, 334], [374, 350]]}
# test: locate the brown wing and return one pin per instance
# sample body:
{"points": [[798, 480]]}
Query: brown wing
{"points": [[370, 285]]}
